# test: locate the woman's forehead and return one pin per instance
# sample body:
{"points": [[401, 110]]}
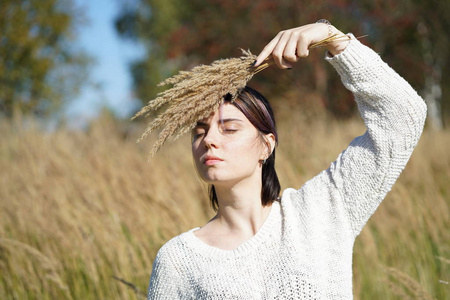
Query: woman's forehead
{"points": [[226, 111]]}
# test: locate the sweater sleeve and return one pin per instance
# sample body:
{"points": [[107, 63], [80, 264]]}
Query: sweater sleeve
{"points": [[394, 115], [164, 281]]}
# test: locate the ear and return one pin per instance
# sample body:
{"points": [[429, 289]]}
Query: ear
{"points": [[270, 143]]}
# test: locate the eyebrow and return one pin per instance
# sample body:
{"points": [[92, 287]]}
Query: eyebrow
{"points": [[200, 123]]}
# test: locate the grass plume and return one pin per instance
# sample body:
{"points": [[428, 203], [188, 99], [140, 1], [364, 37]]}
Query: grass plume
{"points": [[404, 286], [195, 95]]}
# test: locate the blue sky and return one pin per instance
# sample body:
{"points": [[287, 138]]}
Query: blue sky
{"points": [[110, 71]]}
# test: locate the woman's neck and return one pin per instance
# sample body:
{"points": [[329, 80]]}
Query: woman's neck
{"points": [[240, 207], [240, 214]]}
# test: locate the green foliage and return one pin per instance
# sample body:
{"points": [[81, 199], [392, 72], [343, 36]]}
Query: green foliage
{"points": [[39, 69], [181, 34]]}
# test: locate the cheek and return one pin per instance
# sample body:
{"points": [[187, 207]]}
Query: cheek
{"points": [[197, 147], [196, 154], [194, 149], [246, 149]]}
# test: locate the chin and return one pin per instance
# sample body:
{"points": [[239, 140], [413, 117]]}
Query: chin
{"points": [[222, 181], [213, 178]]}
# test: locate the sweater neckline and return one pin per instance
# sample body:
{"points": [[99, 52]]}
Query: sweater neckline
{"points": [[260, 237]]}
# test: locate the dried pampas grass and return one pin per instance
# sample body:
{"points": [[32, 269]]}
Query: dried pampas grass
{"points": [[195, 95]]}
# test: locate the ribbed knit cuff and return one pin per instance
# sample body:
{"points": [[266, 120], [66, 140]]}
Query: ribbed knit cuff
{"points": [[355, 56]]}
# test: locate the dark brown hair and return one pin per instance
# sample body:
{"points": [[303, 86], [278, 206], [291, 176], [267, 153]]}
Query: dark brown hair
{"points": [[259, 112]]}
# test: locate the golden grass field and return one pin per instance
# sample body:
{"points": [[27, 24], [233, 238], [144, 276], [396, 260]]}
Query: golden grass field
{"points": [[81, 208]]}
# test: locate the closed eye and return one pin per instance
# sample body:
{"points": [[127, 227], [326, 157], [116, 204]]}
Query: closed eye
{"points": [[197, 135], [198, 132], [229, 126], [229, 130]]}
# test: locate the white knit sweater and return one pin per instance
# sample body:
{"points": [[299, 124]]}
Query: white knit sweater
{"points": [[304, 248]]}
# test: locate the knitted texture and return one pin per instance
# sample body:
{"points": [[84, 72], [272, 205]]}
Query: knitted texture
{"points": [[304, 248]]}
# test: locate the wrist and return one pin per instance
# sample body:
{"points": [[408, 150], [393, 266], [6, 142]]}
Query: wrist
{"points": [[338, 46]]}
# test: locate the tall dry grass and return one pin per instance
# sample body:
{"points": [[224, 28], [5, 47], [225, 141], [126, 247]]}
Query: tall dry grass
{"points": [[78, 209]]}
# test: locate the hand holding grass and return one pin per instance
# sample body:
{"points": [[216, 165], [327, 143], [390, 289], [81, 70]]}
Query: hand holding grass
{"points": [[289, 45]]}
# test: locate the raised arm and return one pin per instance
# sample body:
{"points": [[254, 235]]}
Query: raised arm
{"points": [[394, 115], [393, 112]]}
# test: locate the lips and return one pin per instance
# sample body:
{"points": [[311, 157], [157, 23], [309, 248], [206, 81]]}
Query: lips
{"points": [[212, 160]]}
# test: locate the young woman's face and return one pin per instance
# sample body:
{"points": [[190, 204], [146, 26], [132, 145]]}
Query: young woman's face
{"points": [[227, 148]]}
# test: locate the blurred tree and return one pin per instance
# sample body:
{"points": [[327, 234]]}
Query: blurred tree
{"points": [[412, 36], [181, 34], [39, 69]]}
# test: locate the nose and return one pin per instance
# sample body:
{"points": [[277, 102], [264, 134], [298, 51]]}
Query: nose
{"points": [[211, 139]]}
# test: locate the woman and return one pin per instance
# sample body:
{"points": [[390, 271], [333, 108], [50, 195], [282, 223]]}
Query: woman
{"points": [[298, 246]]}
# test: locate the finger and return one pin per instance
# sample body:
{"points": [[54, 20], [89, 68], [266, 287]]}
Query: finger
{"points": [[278, 51], [302, 46], [268, 49], [290, 50]]}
